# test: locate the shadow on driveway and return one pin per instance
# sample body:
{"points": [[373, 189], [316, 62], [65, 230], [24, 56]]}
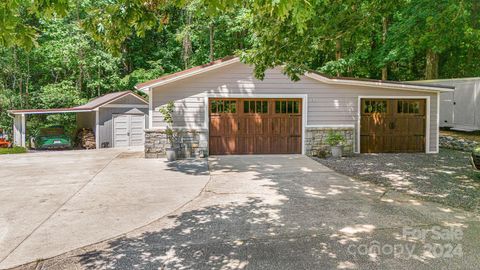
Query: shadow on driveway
{"points": [[288, 213]]}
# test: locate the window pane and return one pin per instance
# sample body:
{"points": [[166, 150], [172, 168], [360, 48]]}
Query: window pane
{"points": [[258, 107], [233, 106], [410, 107], [214, 106], [405, 107], [246, 106], [277, 106], [226, 108], [265, 107], [252, 107], [220, 106], [296, 107], [284, 107], [399, 106], [290, 107]]}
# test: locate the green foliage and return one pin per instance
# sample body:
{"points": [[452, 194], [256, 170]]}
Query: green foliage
{"points": [[167, 114], [335, 139], [13, 150], [476, 151], [167, 111]]}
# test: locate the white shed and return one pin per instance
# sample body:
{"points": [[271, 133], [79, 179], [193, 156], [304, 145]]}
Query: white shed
{"points": [[460, 110], [117, 119]]}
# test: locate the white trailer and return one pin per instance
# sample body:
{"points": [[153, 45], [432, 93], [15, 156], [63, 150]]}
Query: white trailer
{"points": [[460, 110]]}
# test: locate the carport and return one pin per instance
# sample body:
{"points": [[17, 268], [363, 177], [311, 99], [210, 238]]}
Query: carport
{"points": [[117, 119]]}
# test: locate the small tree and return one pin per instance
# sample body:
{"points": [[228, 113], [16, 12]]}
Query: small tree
{"points": [[167, 111]]}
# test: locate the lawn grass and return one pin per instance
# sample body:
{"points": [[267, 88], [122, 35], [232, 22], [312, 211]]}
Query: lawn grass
{"points": [[13, 150], [471, 136]]}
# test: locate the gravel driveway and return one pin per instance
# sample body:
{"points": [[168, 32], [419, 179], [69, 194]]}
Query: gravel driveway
{"points": [[446, 177]]}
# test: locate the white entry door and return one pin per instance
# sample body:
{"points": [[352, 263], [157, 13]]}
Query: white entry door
{"points": [[128, 130]]}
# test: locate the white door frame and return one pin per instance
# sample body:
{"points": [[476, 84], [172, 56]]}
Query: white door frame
{"points": [[113, 126], [427, 117], [303, 97]]}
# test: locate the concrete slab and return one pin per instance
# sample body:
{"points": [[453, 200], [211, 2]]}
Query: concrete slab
{"points": [[53, 202]]}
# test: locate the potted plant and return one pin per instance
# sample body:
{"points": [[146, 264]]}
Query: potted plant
{"points": [[336, 141], [171, 135], [476, 157]]}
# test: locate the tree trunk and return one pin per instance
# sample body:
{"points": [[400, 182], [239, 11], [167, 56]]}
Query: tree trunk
{"points": [[471, 50], [431, 68], [212, 36], [338, 53], [384, 40]]}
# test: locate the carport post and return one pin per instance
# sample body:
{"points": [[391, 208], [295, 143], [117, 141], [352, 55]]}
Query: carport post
{"points": [[97, 129], [19, 129]]}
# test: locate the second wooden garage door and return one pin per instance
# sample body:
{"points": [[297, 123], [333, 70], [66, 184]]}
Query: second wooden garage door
{"points": [[255, 126], [392, 125]]}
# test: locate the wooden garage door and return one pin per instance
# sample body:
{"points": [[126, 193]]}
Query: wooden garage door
{"points": [[255, 126], [392, 125]]}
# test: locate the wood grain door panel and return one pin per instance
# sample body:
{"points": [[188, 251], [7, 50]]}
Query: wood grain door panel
{"points": [[256, 127], [394, 126]]}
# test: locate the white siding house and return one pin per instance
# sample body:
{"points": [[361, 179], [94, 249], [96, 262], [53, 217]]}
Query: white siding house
{"points": [[327, 104]]}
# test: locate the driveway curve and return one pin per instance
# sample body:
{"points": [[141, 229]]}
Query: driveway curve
{"points": [[54, 202]]}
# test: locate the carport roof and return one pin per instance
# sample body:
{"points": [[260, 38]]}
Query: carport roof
{"points": [[92, 105]]}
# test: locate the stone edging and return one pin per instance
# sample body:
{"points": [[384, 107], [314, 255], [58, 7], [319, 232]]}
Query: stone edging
{"points": [[450, 142]]}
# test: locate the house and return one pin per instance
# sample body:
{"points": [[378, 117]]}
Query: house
{"points": [[222, 109], [460, 110], [117, 119]]}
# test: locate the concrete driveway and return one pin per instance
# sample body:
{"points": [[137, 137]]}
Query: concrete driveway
{"points": [[290, 212], [54, 202]]}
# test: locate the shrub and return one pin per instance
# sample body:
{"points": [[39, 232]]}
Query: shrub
{"points": [[335, 138]]}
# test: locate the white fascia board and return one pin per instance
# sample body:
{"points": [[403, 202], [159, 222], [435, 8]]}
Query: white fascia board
{"points": [[142, 106], [120, 97], [377, 84], [50, 112], [190, 74]]}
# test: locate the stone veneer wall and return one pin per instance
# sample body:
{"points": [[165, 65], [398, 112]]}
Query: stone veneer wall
{"points": [[457, 144], [315, 137], [191, 143]]}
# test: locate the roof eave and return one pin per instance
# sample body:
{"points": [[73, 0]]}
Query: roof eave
{"points": [[146, 87], [378, 84]]}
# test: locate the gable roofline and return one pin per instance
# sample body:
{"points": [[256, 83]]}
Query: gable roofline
{"points": [[166, 79], [187, 73], [88, 107], [379, 83]]}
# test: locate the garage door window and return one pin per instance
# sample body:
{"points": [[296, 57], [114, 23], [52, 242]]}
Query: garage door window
{"points": [[375, 106], [408, 107], [287, 106], [255, 106], [223, 106]]}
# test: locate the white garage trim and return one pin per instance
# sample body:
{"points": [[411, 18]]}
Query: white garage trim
{"points": [[304, 98], [427, 118]]}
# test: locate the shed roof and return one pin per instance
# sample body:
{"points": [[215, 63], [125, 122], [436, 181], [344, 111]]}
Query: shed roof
{"points": [[88, 107]]}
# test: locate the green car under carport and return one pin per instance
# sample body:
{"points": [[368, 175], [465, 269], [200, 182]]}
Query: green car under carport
{"points": [[52, 138]]}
